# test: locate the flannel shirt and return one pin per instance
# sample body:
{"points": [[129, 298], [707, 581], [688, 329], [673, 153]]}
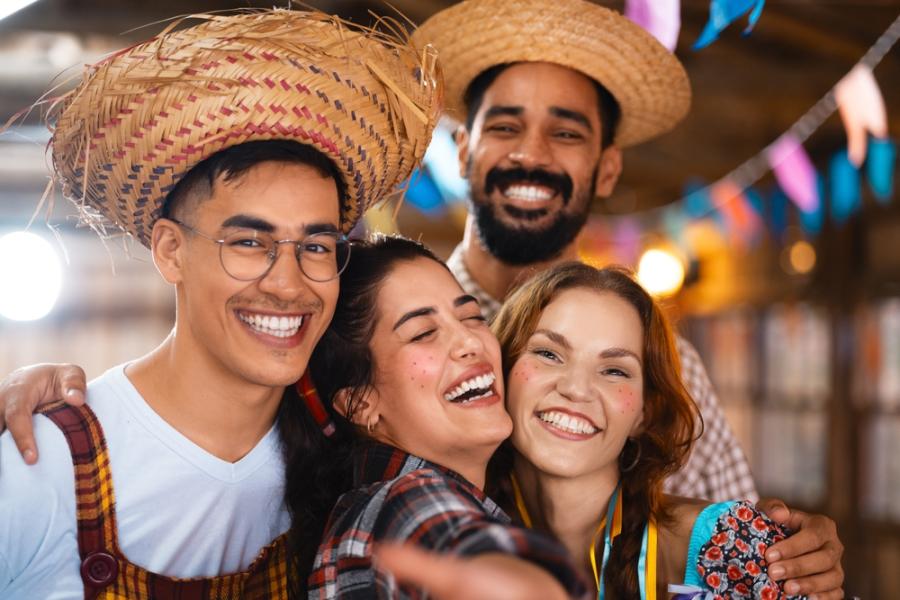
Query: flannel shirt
{"points": [[402, 497], [717, 469]]}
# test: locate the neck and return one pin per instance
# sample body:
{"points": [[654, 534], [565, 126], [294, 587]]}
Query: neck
{"points": [[495, 276], [569, 508], [214, 408]]}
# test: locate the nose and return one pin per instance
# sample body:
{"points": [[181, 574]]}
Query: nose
{"points": [[531, 151], [465, 343], [284, 280], [576, 385]]}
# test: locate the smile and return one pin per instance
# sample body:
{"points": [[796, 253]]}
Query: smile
{"points": [[274, 325], [567, 422], [474, 388], [528, 193]]}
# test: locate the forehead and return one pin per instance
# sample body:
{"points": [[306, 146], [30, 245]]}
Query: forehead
{"points": [[417, 283], [288, 193], [538, 86], [591, 318]]}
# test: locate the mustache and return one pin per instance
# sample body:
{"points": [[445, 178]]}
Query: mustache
{"points": [[500, 178]]}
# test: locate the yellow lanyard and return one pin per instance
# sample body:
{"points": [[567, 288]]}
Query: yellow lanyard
{"points": [[649, 583]]}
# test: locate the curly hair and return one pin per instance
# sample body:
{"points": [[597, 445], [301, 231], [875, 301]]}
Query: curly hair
{"points": [[670, 416]]}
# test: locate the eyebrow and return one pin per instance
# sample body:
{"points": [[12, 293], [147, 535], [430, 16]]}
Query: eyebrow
{"points": [[243, 221], [430, 310], [572, 115], [620, 353], [555, 337], [503, 110]]}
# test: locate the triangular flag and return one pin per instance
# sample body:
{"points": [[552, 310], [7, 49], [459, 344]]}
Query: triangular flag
{"points": [[811, 221], [661, 18], [880, 169], [862, 110], [845, 192], [722, 13], [778, 213], [697, 202], [740, 220], [795, 172]]}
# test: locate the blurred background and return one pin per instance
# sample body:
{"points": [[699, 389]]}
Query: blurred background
{"points": [[791, 295]]}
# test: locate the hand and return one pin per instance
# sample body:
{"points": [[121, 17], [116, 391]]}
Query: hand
{"points": [[809, 561], [23, 390], [484, 577]]}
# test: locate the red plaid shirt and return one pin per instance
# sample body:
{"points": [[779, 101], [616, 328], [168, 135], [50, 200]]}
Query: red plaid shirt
{"points": [[401, 497]]}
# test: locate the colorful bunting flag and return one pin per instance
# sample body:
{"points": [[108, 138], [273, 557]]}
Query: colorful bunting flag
{"points": [[845, 182], [423, 193], [862, 110], [661, 18], [811, 221], [722, 13], [627, 240], [794, 171], [778, 213], [741, 222], [880, 169], [697, 202]]}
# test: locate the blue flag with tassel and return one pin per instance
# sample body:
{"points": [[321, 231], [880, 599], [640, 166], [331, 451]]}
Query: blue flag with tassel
{"points": [[723, 13]]}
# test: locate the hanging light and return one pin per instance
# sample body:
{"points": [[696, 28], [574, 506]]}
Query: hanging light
{"points": [[661, 272], [30, 276], [8, 7]]}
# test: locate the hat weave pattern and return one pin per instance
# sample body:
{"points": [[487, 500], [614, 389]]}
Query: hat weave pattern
{"points": [[648, 82], [146, 115]]}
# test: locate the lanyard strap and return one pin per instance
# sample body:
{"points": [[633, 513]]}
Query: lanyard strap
{"points": [[648, 556]]}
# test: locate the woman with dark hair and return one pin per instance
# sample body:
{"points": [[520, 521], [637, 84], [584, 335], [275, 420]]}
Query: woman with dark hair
{"points": [[410, 375], [600, 418]]}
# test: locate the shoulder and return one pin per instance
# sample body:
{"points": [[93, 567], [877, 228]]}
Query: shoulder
{"points": [[37, 505], [429, 496]]}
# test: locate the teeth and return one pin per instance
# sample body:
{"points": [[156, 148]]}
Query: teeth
{"points": [[481, 382], [528, 193], [271, 325], [569, 423]]}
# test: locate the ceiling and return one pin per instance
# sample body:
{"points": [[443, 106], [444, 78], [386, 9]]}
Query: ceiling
{"points": [[747, 90]]}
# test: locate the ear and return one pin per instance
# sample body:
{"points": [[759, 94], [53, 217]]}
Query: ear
{"points": [[167, 242], [608, 172], [461, 137], [364, 409]]}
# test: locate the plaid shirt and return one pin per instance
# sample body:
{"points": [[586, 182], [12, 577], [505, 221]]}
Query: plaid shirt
{"points": [[717, 468], [403, 497]]}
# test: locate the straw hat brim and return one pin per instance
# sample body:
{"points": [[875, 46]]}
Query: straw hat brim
{"points": [[648, 82], [145, 116]]}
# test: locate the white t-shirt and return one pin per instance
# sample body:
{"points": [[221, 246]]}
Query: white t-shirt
{"points": [[181, 511]]}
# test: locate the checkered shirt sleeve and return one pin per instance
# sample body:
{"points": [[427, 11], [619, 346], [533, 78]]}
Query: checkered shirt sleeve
{"points": [[717, 468], [431, 510]]}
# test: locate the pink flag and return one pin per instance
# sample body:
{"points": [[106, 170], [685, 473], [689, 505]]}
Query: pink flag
{"points": [[862, 110], [795, 172], [661, 18]]}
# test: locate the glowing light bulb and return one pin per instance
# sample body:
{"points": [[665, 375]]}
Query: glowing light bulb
{"points": [[30, 276], [802, 257], [660, 272]]}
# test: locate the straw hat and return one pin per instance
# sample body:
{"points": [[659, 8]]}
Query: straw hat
{"points": [[649, 83], [143, 117]]}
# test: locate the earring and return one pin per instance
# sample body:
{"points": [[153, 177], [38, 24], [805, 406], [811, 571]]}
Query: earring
{"points": [[370, 426], [637, 456]]}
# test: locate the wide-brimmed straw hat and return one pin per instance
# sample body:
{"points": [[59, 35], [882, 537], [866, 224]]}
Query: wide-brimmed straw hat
{"points": [[143, 117], [649, 83]]}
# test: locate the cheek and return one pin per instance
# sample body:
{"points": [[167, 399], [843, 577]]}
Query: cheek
{"points": [[628, 399], [418, 367], [521, 386]]}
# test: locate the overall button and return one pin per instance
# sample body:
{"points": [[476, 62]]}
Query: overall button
{"points": [[99, 569]]}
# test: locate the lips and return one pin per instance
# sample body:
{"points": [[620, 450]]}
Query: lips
{"points": [[282, 329], [567, 423], [475, 384]]}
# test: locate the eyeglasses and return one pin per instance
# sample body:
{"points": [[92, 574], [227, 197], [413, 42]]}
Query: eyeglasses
{"points": [[248, 254]]}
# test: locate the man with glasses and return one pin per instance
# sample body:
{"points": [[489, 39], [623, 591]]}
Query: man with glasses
{"points": [[170, 481]]}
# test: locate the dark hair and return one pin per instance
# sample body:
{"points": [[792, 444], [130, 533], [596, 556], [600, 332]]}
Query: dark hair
{"points": [[610, 112], [669, 412], [233, 162], [318, 468]]}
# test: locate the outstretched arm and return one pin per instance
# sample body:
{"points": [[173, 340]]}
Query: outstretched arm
{"points": [[483, 577], [809, 561], [23, 390]]}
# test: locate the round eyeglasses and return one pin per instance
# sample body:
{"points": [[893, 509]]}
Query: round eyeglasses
{"points": [[248, 254]]}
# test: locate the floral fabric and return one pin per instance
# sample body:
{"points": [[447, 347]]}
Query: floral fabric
{"points": [[729, 563]]}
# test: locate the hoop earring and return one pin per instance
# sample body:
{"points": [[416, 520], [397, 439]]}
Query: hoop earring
{"points": [[634, 462], [370, 427]]}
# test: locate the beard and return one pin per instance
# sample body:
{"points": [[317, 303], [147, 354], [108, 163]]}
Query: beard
{"points": [[518, 246]]}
